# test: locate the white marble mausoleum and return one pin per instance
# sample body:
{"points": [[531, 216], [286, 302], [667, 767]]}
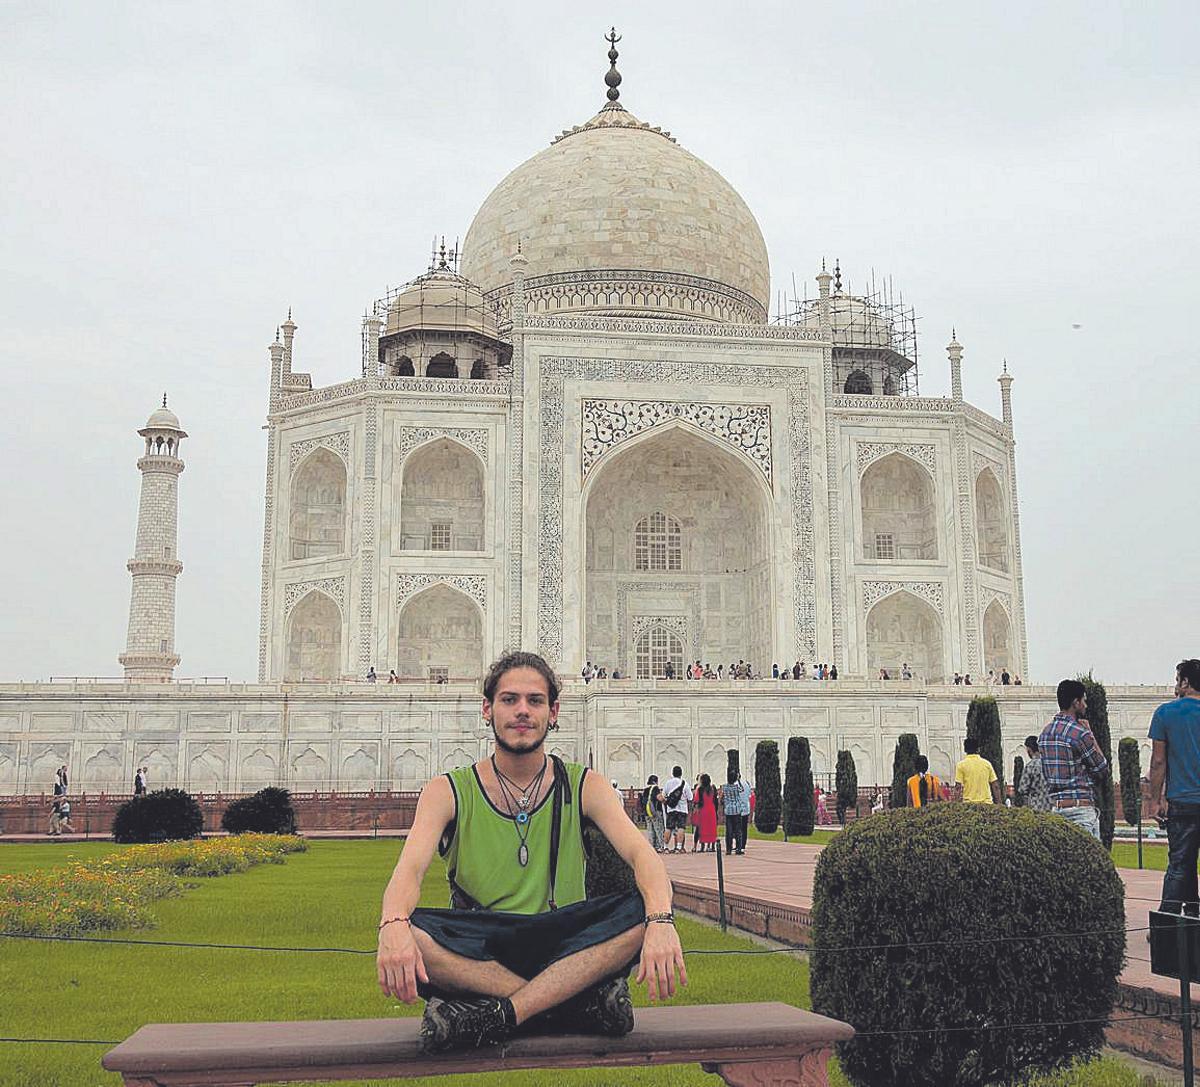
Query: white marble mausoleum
{"points": [[585, 435]]}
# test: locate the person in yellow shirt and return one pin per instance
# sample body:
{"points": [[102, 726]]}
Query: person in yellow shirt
{"points": [[923, 787], [977, 776]]}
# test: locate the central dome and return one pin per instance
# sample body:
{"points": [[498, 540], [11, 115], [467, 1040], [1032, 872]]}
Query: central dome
{"points": [[616, 218]]}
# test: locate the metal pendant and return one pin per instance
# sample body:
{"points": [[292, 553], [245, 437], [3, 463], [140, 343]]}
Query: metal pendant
{"points": [[523, 855], [522, 817], [522, 802]]}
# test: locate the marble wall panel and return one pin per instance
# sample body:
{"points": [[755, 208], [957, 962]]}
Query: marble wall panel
{"points": [[258, 765], [321, 723], [897, 719], [210, 722], [154, 722], [358, 765], [623, 757], [110, 722], [206, 765], [409, 764], [102, 768], [52, 722], [308, 764], [672, 752], [366, 722], [769, 721], [808, 721], [454, 753], [161, 761], [11, 722], [44, 760], [622, 717], [410, 720], [259, 721], [855, 717]]}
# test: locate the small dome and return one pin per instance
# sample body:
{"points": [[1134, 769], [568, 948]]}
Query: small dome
{"points": [[856, 322], [441, 300], [163, 418]]}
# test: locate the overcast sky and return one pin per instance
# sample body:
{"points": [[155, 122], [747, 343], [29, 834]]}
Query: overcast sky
{"points": [[174, 176]]}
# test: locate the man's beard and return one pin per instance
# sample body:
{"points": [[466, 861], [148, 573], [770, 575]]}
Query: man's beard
{"points": [[504, 745]]}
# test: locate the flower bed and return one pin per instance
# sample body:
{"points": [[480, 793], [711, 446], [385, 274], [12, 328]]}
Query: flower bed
{"points": [[117, 891]]}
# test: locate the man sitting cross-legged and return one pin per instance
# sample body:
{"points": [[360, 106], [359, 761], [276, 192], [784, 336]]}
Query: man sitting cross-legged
{"points": [[522, 946]]}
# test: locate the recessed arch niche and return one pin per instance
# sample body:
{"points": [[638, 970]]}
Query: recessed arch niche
{"points": [[991, 525], [898, 511], [314, 645], [317, 521], [997, 639], [440, 631], [713, 508], [441, 499], [903, 629]]}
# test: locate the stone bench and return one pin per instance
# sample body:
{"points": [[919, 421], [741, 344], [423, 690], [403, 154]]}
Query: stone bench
{"points": [[748, 1045]]}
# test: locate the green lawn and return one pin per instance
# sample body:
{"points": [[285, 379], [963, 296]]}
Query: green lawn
{"points": [[817, 837], [327, 897]]}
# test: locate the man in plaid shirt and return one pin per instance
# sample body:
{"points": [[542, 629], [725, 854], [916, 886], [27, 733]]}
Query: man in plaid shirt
{"points": [[1071, 759]]}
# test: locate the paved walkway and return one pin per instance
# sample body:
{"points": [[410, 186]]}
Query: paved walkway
{"points": [[782, 874]]}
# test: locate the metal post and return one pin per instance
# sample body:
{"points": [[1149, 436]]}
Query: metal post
{"points": [[1139, 840], [721, 887], [375, 820], [1183, 946]]}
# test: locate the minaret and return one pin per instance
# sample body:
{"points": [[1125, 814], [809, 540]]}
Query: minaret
{"points": [[150, 650], [1006, 380], [955, 351]]}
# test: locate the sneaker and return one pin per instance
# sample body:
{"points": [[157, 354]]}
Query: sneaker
{"points": [[463, 1024], [602, 1009]]}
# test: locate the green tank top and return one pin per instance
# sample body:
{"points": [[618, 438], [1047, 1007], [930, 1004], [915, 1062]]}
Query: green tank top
{"points": [[481, 854]]}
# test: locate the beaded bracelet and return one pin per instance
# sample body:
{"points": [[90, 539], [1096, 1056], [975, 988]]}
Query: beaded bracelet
{"points": [[393, 920], [660, 919]]}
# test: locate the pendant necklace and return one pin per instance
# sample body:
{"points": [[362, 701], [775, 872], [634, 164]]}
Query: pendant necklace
{"points": [[517, 799]]}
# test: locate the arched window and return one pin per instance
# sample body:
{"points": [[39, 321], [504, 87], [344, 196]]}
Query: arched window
{"points": [[442, 499], [859, 382], [314, 639], [889, 385], [477, 370], [991, 524], [404, 367], [654, 648], [440, 632], [441, 365], [318, 506], [899, 515], [657, 543]]}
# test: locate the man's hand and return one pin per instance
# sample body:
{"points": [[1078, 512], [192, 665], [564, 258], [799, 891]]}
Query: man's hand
{"points": [[1156, 808], [662, 956], [399, 961]]}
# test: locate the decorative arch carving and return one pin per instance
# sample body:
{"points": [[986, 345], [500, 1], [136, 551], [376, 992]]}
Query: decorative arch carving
{"points": [[439, 632], [409, 438], [317, 505], [442, 490], [338, 444], [314, 637], [867, 453], [332, 587], [929, 591], [474, 585], [898, 502], [608, 424], [903, 628]]}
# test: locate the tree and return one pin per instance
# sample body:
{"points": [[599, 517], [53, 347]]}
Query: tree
{"points": [[733, 768], [904, 765], [1130, 761], [983, 724], [845, 780], [799, 809], [1018, 770], [268, 811], [1097, 717], [913, 881], [766, 787], [165, 815]]}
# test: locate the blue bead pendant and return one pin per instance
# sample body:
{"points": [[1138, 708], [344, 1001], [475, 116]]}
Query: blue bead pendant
{"points": [[522, 817]]}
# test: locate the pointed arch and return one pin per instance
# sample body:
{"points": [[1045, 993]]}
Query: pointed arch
{"points": [[317, 507], [991, 521], [859, 381], [904, 629], [441, 365], [997, 639], [723, 583], [314, 639], [654, 649], [404, 367], [440, 628], [442, 504], [625, 764], [898, 504]]}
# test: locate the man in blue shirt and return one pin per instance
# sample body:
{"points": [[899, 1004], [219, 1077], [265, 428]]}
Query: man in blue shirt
{"points": [[1175, 785]]}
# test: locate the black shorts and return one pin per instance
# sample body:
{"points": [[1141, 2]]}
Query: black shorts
{"points": [[527, 943], [677, 820]]}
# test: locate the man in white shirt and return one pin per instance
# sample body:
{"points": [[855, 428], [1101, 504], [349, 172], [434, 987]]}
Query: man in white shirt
{"points": [[679, 791]]}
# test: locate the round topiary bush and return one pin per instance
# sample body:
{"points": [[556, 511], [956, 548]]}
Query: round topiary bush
{"points": [[268, 811], [990, 889], [163, 816]]}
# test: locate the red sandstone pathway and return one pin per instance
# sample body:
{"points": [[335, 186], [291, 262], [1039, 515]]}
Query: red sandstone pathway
{"points": [[782, 873]]}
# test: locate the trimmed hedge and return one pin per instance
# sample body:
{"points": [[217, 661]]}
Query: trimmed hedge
{"points": [[1130, 761], [766, 787], [904, 765], [733, 764], [268, 811], [1097, 717], [845, 783], [1018, 772], [799, 808], [983, 722], [165, 815], [607, 873], [945, 875]]}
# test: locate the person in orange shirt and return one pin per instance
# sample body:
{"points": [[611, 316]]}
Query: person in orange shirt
{"points": [[923, 787]]}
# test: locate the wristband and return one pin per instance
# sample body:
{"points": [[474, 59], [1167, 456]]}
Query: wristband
{"points": [[393, 920], [659, 919]]}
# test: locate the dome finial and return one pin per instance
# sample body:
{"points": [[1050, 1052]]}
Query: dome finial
{"points": [[613, 78], [837, 277]]}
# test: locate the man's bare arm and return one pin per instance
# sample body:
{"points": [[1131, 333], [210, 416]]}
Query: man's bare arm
{"points": [[1158, 778], [662, 954], [399, 959]]}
